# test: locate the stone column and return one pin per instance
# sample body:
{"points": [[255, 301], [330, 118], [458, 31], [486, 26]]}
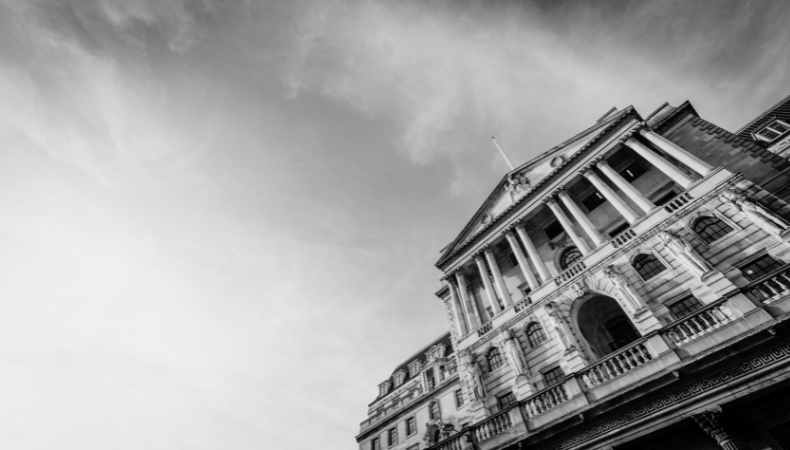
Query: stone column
{"points": [[710, 422], [568, 226], [530, 278], [611, 196], [669, 169], [582, 218], [471, 309], [461, 320], [677, 152], [533, 254], [499, 282], [632, 192], [490, 294], [686, 255]]}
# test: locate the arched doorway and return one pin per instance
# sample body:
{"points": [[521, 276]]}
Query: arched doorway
{"points": [[604, 325]]}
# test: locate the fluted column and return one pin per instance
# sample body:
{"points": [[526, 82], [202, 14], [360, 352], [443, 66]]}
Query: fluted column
{"points": [[461, 320], [533, 254], [512, 240], [582, 218], [612, 197], [499, 282], [471, 309], [568, 226], [669, 169], [629, 189], [490, 294], [677, 152]]}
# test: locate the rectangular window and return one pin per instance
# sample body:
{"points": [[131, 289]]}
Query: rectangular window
{"points": [[411, 426], [593, 201], [459, 398], [374, 444], [413, 447], [760, 267], [505, 400], [392, 436], [665, 198], [634, 170], [433, 410], [684, 307], [772, 131], [553, 376], [553, 230]]}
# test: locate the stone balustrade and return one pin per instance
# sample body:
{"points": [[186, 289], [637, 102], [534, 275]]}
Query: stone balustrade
{"points": [[454, 442], [678, 202], [616, 364], [623, 238], [485, 328], [699, 323], [772, 287], [493, 426], [570, 272], [545, 400], [522, 304]]}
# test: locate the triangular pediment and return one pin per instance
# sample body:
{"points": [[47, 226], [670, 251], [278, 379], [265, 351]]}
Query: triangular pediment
{"points": [[518, 183]]}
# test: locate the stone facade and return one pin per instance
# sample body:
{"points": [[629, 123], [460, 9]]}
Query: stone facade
{"points": [[633, 273]]}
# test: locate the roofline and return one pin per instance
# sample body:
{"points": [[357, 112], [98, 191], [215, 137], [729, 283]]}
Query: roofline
{"points": [[763, 114]]}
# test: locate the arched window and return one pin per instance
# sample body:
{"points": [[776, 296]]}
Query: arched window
{"points": [[710, 228], [535, 334], [647, 265], [494, 358], [569, 256]]}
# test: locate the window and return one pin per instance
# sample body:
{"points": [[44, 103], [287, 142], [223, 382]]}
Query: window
{"points": [[772, 131], [569, 256], [710, 228], [553, 376], [647, 265], [665, 198], [430, 379], [392, 436], [374, 444], [684, 307], [505, 400], [618, 229], [593, 201], [399, 378], [459, 398], [553, 230], [413, 447], [411, 425], [433, 410], [634, 170], [494, 358], [760, 266], [535, 334]]}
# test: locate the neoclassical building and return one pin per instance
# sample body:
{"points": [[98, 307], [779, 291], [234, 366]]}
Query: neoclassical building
{"points": [[627, 289]]}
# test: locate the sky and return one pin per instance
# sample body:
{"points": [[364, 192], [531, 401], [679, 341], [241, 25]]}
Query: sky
{"points": [[220, 218]]}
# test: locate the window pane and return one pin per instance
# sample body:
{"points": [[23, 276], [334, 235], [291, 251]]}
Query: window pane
{"points": [[684, 307], [710, 229], [553, 376], [535, 334], [779, 127], [647, 266], [761, 266], [506, 400]]}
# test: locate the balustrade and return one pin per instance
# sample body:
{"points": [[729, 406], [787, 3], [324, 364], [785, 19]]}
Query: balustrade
{"points": [[545, 400], [484, 329], [616, 365], [677, 202], [454, 442], [771, 287], [493, 426], [522, 304], [699, 323], [623, 238], [570, 272]]}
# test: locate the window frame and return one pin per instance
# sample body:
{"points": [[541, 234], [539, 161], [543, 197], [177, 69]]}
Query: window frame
{"points": [[557, 379], [655, 257], [681, 299], [717, 219], [757, 135], [431, 415], [756, 257], [535, 328], [375, 443], [505, 400], [458, 394], [411, 429], [392, 436], [494, 354]]}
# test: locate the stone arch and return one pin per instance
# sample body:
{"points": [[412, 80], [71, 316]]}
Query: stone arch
{"points": [[602, 324]]}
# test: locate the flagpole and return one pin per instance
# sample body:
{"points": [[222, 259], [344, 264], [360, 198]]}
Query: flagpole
{"points": [[502, 152]]}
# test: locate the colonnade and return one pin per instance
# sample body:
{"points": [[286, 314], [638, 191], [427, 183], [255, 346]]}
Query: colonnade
{"points": [[534, 270]]}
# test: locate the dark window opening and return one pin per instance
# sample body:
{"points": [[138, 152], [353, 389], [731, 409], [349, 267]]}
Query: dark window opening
{"points": [[433, 410], [459, 398], [392, 436], [411, 426], [710, 228], [635, 170], [759, 267], [593, 201], [505, 400], [621, 330], [494, 359], [374, 444], [569, 256], [535, 334], [647, 266], [684, 307], [553, 230], [553, 376]]}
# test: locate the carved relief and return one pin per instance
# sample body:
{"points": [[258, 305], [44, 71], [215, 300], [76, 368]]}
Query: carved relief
{"points": [[759, 215], [560, 325], [624, 291], [435, 353], [517, 185], [685, 254], [472, 376]]}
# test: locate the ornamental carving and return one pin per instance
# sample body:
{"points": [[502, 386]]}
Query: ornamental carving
{"points": [[414, 367], [759, 215], [517, 185], [435, 353], [557, 161]]}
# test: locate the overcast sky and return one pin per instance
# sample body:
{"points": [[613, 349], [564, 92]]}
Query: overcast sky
{"points": [[219, 219]]}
